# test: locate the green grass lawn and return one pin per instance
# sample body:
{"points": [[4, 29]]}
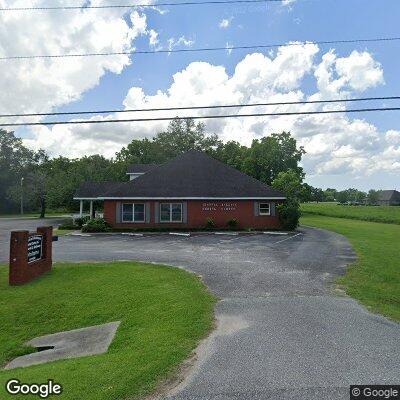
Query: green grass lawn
{"points": [[374, 279], [63, 232], [50, 214], [164, 312], [385, 214]]}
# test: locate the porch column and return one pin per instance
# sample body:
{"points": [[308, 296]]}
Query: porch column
{"points": [[81, 209], [91, 209]]}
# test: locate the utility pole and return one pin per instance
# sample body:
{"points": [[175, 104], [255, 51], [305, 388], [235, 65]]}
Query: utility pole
{"points": [[22, 196]]}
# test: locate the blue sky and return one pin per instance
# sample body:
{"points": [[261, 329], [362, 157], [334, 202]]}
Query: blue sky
{"points": [[251, 24], [258, 24]]}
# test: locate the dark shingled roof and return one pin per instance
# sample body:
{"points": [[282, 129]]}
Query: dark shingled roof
{"points": [[140, 168], [193, 174], [89, 190], [387, 195]]}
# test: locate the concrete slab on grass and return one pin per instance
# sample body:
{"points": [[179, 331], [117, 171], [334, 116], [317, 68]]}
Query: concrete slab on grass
{"points": [[69, 344]]}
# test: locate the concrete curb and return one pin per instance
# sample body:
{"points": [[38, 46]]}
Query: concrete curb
{"points": [[184, 233]]}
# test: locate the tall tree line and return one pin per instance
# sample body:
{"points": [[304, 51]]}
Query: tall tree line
{"points": [[51, 182]]}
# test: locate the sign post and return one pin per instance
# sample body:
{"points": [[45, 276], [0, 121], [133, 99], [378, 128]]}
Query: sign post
{"points": [[30, 255]]}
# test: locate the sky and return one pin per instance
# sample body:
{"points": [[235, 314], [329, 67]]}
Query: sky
{"points": [[342, 150]]}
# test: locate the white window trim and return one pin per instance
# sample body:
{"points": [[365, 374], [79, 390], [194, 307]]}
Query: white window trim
{"points": [[133, 214], [170, 214], [264, 213]]}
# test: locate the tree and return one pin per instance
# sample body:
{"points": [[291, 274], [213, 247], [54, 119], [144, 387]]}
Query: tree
{"points": [[373, 197], [289, 214], [351, 195], [231, 153], [361, 197], [291, 185], [16, 161], [33, 190], [317, 195], [306, 193], [63, 176], [342, 197], [53, 182], [141, 151], [181, 135], [270, 155], [330, 194]]}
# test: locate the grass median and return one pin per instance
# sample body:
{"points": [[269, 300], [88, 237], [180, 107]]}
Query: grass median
{"points": [[374, 279], [164, 312]]}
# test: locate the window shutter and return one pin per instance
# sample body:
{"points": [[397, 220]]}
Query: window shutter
{"points": [[184, 213], [256, 209], [118, 212], [273, 209], [147, 213], [156, 212]]}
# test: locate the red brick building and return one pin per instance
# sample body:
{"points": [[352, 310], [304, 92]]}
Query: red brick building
{"points": [[185, 192]]}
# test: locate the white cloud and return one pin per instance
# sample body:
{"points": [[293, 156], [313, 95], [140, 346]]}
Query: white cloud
{"points": [[181, 41], [393, 137], [335, 143], [229, 48], [139, 24], [153, 38], [360, 71], [40, 85], [288, 4], [357, 72], [225, 23]]}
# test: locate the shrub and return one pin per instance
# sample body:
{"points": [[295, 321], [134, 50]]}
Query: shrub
{"points": [[210, 223], [233, 223], [96, 225], [289, 214], [68, 224], [81, 221]]}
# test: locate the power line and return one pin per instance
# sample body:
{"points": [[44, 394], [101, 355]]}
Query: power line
{"points": [[226, 48], [171, 4], [203, 107], [198, 117]]}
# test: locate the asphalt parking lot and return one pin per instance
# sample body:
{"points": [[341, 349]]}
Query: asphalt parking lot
{"points": [[229, 265], [283, 332], [8, 224]]}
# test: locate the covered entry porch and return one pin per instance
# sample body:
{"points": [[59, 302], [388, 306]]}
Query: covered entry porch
{"points": [[87, 209]]}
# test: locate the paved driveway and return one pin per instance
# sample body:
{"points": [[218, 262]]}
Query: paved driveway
{"points": [[15, 224], [282, 332]]}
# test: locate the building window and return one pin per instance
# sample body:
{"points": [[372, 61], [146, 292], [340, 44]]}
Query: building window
{"points": [[264, 208], [170, 212], [133, 212]]}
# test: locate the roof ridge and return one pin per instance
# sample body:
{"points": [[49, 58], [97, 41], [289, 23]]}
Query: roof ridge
{"points": [[193, 174]]}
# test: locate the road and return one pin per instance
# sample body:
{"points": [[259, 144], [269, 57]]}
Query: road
{"points": [[283, 332]]}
